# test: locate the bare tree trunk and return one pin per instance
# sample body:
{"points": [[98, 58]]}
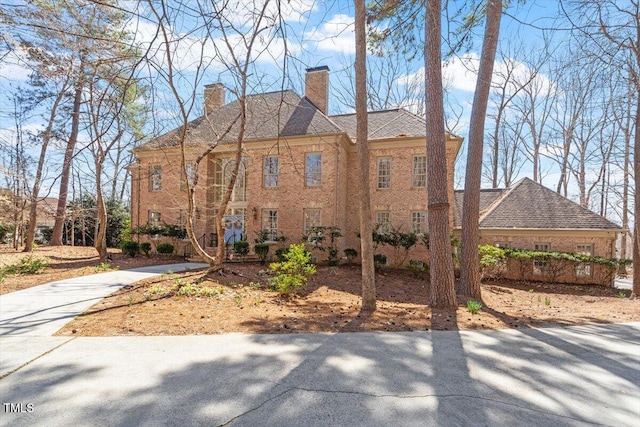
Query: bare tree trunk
{"points": [[442, 279], [100, 240], [56, 238], [636, 170], [33, 208], [469, 263], [362, 144]]}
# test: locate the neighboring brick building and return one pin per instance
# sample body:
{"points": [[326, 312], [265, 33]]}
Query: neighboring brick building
{"points": [[299, 168]]}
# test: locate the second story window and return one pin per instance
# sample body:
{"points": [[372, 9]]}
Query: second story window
{"points": [[155, 178], [271, 171], [189, 168], [384, 172], [223, 174], [419, 175], [313, 170]]}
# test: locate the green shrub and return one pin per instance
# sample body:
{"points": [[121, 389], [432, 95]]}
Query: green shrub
{"points": [[191, 290], [418, 267], [165, 248], [241, 247], [351, 254], [26, 265], [261, 250], [145, 248], [474, 306], [281, 254], [294, 271], [325, 239], [333, 259], [492, 260], [379, 260], [46, 233], [103, 266], [130, 248]]}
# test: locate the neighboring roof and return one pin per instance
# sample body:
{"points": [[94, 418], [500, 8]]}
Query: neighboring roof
{"points": [[384, 124], [269, 115], [529, 205]]}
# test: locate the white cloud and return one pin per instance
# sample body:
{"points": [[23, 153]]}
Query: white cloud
{"points": [[190, 52], [336, 35], [295, 10], [457, 74], [14, 67]]}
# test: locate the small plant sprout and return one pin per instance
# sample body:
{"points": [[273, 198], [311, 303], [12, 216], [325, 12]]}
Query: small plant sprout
{"points": [[474, 306], [104, 266], [130, 300], [531, 291], [621, 295], [547, 301]]}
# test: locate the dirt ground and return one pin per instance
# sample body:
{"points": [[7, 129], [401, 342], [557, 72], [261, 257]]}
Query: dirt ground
{"points": [[67, 261], [241, 301]]}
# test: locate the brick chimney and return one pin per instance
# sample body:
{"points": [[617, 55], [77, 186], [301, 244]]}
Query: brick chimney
{"points": [[213, 97], [316, 87]]}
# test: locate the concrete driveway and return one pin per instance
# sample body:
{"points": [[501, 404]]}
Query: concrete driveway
{"points": [[539, 377], [624, 283], [542, 377], [30, 317]]}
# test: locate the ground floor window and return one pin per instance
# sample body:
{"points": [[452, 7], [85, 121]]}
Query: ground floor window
{"points": [[383, 221], [312, 218], [270, 223], [584, 269], [541, 265], [155, 219], [419, 222]]}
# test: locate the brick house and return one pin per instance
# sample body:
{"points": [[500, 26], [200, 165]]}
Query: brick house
{"points": [[298, 168], [530, 216]]}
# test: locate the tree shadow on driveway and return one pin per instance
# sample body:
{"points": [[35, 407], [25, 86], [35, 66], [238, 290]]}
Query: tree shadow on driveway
{"points": [[466, 378]]}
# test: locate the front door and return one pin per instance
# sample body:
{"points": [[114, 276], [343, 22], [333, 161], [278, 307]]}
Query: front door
{"points": [[233, 228]]}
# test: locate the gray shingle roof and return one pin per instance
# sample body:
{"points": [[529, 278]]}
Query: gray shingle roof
{"points": [[528, 204], [384, 124], [269, 115], [487, 197]]}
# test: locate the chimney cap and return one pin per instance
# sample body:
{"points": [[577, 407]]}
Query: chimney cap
{"points": [[320, 68], [214, 84]]}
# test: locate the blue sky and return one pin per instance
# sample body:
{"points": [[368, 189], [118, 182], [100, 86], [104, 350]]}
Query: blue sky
{"points": [[321, 33]]}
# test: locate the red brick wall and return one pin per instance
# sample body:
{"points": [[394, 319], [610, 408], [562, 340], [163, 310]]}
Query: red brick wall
{"points": [[336, 196]]}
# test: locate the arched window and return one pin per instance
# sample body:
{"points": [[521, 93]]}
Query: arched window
{"points": [[224, 171]]}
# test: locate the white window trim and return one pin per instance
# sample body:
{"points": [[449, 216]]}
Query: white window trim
{"points": [[414, 175], [379, 177], [271, 177], [306, 170]]}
